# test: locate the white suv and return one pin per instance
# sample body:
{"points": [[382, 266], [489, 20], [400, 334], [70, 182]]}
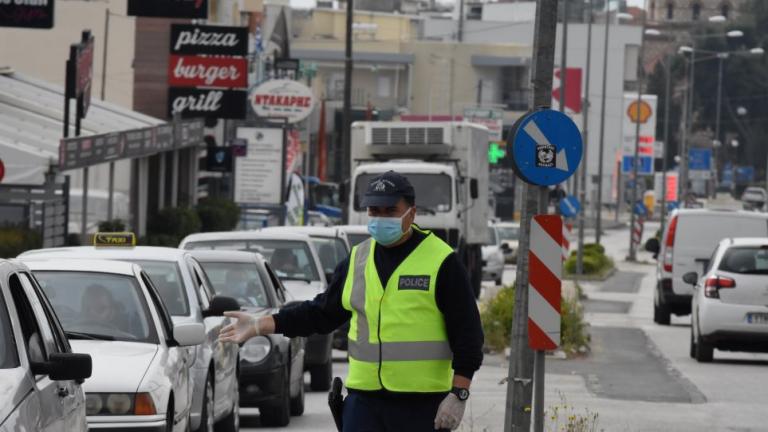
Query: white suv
{"points": [[686, 245], [730, 301]]}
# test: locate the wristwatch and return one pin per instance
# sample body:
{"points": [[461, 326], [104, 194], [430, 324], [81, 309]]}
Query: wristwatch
{"points": [[461, 393]]}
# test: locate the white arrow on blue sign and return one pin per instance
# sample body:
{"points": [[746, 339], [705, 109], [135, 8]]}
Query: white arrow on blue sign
{"points": [[546, 147], [570, 206]]}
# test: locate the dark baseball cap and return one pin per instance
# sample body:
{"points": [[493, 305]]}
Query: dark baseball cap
{"points": [[387, 189]]}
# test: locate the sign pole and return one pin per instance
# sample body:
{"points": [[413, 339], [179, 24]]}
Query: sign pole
{"points": [[582, 189], [519, 392], [640, 76]]}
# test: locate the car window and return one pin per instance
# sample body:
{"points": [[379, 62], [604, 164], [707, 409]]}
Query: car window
{"points": [[279, 289], [711, 261], [745, 260], [59, 338], [290, 259], [30, 329], [8, 355], [165, 316], [203, 296], [239, 280], [356, 239], [166, 276], [508, 232], [331, 250], [99, 305]]}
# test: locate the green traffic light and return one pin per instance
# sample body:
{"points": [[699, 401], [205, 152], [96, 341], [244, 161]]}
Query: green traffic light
{"points": [[495, 153]]}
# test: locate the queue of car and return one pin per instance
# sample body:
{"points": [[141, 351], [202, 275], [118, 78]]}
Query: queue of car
{"points": [[713, 264]]}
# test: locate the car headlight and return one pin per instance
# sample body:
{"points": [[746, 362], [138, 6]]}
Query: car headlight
{"points": [[119, 404], [256, 349]]}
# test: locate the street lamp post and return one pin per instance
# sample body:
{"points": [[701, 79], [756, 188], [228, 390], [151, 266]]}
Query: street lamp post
{"points": [[582, 183]]}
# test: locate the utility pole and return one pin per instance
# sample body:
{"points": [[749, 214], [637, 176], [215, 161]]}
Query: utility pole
{"points": [[668, 95], [688, 129], [111, 184], [564, 69], [640, 77], [718, 143], [599, 205], [460, 33], [520, 375], [346, 132], [581, 186]]}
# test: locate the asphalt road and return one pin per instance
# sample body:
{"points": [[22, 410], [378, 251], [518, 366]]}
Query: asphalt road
{"points": [[638, 376]]}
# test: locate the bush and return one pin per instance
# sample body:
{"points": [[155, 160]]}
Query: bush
{"points": [[16, 239], [595, 260], [114, 225], [170, 225], [594, 247], [497, 314], [218, 214], [496, 317]]}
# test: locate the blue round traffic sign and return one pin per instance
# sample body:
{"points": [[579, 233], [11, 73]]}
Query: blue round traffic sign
{"points": [[546, 147], [570, 206]]}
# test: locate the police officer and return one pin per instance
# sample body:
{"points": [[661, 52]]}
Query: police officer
{"points": [[415, 338]]}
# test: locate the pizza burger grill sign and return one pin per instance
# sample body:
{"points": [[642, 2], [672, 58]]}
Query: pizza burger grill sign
{"points": [[284, 99], [208, 71]]}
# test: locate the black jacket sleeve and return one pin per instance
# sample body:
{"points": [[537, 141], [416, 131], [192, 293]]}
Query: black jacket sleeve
{"points": [[323, 314], [456, 301]]}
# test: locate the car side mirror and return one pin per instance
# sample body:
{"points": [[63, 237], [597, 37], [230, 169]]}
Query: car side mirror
{"points": [[65, 367], [189, 334], [474, 191], [221, 304], [653, 246], [691, 278]]}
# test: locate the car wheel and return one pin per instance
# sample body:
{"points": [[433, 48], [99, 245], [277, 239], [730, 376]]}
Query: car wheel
{"points": [[705, 351], [231, 423], [278, 414], [661, 314], [692, 350], [297, 403], [321, 376], [206, 416]]}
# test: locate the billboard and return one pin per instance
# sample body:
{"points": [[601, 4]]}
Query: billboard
{"points": [[644, 113]]}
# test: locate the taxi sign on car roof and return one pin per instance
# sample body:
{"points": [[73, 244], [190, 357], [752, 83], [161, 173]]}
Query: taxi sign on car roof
{"points": [[114, 239]]}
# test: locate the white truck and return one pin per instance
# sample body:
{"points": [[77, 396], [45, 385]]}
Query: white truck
{"points": [[447, 164]]}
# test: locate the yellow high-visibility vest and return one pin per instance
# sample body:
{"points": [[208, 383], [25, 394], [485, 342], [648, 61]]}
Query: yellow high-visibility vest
{"points": [[397, 336]]}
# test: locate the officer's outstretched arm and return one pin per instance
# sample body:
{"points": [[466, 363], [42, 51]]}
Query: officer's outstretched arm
{"points": [[245, 327]]}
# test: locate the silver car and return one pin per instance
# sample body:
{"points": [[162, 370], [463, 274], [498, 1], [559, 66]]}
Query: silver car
{"points": [[41, 377], [187, 295], [294, 259]]}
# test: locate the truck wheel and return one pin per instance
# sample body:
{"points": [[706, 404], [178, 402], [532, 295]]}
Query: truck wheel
{"points": [[321, 376], [661, 314]]}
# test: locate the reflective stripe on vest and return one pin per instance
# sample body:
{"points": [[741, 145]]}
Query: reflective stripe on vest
{"points": [[429, 367]]}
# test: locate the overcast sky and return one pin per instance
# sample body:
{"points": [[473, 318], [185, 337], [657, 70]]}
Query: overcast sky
{"points": [[311, 3]]}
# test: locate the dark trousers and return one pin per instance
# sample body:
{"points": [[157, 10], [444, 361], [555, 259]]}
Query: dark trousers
{"points": [[376, 413]]}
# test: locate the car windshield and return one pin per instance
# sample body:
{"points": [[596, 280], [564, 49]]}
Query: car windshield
{"points": [[8, 357], [508, 232], [332, 251], [94, 305], [356, 239], [492, 240], [745, 260], [290, 259], [433, 191], [238, 280], [166, 277]]}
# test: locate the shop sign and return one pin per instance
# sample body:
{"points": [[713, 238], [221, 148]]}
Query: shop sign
{"points": [[283, 99], [26, 14], [169, 8], [210, 40], [192, 102], [194, 71]]}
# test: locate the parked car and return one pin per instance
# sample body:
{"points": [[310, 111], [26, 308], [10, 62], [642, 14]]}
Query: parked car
{"points": [[493, 256], [271, 366], [41, 377], [509, 234], [730, 300], [333, 247], [754, 198], [188, 296], [356, 234], [688, 241], [141, 359], [294, 260]]}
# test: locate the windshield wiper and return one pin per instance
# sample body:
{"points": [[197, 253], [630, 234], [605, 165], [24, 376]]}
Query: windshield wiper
{"points": [[88, 336], [296, 279]]}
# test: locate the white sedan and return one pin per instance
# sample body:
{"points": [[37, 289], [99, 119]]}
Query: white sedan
{"points": [[730, 301], [141, 359]]}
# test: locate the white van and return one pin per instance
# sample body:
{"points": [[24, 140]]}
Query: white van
{"points": [[688, 241]]}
